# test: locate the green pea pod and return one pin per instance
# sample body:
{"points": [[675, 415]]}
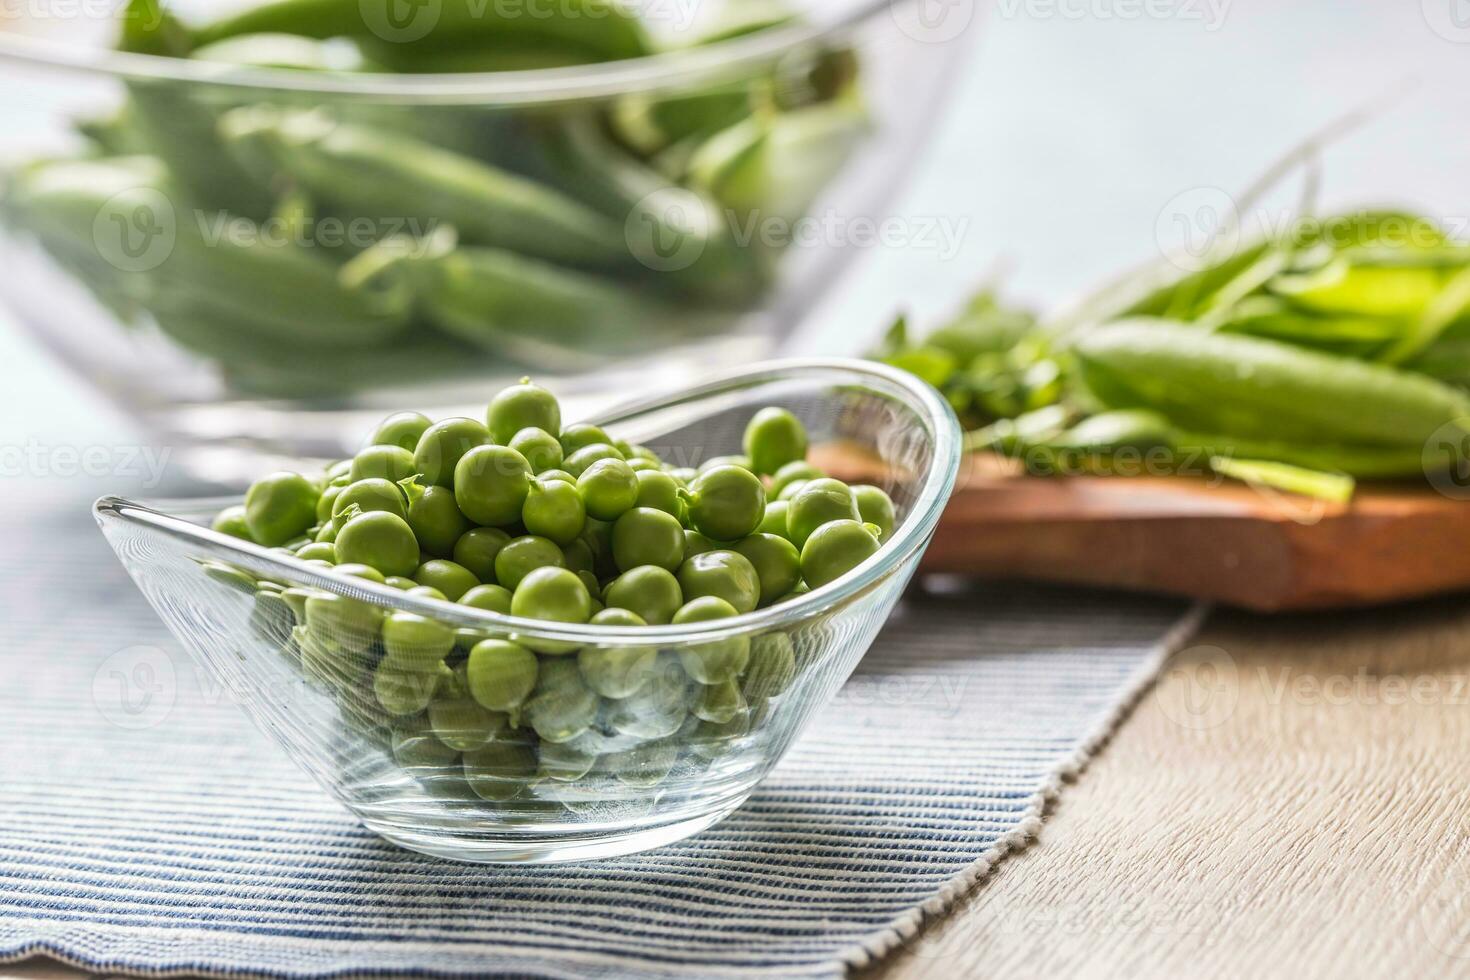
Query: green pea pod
{"points": [[286, 51], [367, 172], [147, 28], [536, 313], [1255, 388], [674, 232], [1363, 462], [605, 29], [473, 55], [774, 165]]}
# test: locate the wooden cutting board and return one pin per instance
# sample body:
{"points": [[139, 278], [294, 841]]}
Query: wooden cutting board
{"points": [[1225, 541]]}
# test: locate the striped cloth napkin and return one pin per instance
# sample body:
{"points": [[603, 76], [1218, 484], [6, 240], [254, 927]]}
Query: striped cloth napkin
{"points": [[147, 827]]}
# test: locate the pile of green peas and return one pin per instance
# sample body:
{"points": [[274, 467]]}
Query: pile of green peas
{"points": [[522, 516]]}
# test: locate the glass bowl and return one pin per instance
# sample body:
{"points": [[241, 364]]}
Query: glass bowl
{"points": [[631, 737], [257, 257]]}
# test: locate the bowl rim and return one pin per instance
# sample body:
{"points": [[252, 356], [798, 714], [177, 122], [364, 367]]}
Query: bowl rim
{"points": [[911, 536], [661, 70]]}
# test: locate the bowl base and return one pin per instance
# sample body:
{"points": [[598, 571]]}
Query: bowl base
{"points": [[551, 850]]}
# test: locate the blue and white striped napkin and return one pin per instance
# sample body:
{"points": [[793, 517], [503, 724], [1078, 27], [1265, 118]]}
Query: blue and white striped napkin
{"points": [[146, 827]]}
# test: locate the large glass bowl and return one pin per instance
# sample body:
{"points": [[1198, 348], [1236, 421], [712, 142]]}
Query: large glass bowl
{"points": [[217, 299], [703, 711]]}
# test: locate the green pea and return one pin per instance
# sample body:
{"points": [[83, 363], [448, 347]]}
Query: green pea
{"points": [[697, 544], [522, 406], [500, 675], [562, 706], [450, 578], [323, 503], [645, 765], [442, 446], [798, 469], [644, 536], [617, 672], [710, 740], [608, 488], [523, 555], [640, 465], [726, 574], [660, 491], [775, 520], [401, 429], [436, 521], [232, 521], [816, 503], [660, 705], [462, 724], [339, 471], [574, 437], [280, 507], [650, 592], [402, 582], [407, 692], [776, 561], [500, 771], [415, 747], [320, 550], [791, 489], [773, 438], [381, 540], [720, 702], [491, 483], [561, 475], [876, 508], [715, 661], [683, 474], [495, 598], [726, 502], [554, 510], [836, 548], [541, 448], [229, 575], [552, 594], [372, 494], [477, 549], [577, 463], [715, 462], [597, 535], [565, 761], [327, 533], [415, 643], [771, 669], [579, 557], [428, 592], [392, 463]]}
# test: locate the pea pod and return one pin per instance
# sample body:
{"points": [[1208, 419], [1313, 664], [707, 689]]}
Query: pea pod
{"points": [[535, 313], [368, 172], [677, 233], [1256, 388], [774, 164], [604, 29]]}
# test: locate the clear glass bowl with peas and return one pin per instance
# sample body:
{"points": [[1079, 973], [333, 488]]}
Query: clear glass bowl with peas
{"points": [[273, 222], [517, 638]]}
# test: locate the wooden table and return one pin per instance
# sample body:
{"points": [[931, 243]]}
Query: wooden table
{"points": [[1291, 800]]}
